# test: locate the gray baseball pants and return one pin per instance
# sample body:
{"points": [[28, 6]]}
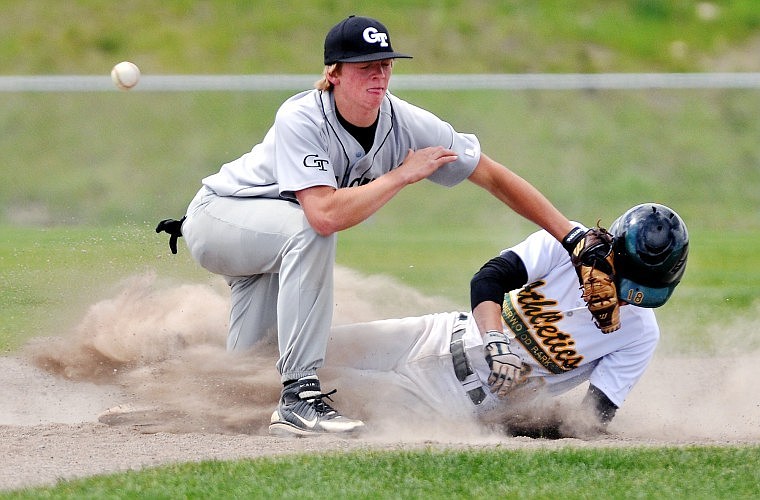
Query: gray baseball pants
{"points": [[280, 273]]}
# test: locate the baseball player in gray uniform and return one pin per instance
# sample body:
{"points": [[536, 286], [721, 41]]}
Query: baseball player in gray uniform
{"points": [[529, 332], [335, 155]]}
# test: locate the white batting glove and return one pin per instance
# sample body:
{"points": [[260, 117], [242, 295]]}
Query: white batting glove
{"points": [[505, 365]]}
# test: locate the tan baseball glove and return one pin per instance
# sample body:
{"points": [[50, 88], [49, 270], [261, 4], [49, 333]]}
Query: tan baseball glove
{"points": [[591, 254]]}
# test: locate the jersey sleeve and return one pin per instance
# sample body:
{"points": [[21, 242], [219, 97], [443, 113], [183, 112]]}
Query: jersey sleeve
{"points": [[496, 277], [467, 148], [300, 153], [427, 130]]}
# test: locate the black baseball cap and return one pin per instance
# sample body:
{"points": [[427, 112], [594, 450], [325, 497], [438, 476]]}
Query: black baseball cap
{"points": [[359, 39]]}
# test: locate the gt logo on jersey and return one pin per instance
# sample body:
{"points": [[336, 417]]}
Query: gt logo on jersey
{"points": [[371, 35], [314, 161]]}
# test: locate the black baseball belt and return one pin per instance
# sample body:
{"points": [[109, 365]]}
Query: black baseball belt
{"points": [[464, 372]]}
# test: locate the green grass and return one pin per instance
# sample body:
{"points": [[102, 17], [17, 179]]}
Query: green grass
{"points": [[268, 36], [48, 276], [689, 472]]}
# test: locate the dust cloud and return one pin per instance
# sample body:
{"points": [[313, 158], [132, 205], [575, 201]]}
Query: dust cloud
{"points": [[154, 353], [163, 345]]}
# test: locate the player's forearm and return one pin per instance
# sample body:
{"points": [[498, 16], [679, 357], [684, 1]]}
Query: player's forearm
{"points": [[357, 204], [488, 317], [332, 210]]}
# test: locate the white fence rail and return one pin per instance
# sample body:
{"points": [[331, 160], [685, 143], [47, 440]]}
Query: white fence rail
{"points": [[174, 83]]}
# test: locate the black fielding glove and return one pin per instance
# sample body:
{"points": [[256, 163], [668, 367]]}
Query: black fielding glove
{"points": [[174, 229]]}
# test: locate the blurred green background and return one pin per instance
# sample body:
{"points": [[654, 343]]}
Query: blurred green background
{"points": [[285, 36], [86, 176]]}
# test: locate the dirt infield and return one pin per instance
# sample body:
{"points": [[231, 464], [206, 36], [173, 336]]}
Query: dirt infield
{"points": [[143, 380]]}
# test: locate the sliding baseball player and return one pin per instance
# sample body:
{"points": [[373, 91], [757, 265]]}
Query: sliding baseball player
{"points": [[529, 333]]}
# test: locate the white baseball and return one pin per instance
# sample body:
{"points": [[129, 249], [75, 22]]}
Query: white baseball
{"points": [[125, 75]]}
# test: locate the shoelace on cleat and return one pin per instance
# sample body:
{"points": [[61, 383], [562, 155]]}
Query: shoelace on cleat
{"points": [[321, 406]]}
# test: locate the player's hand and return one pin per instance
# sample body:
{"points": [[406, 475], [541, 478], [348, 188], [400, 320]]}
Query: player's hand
{"points": [[505, 365], [420, 164]]}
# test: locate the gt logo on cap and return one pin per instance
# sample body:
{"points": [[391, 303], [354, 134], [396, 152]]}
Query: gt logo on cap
{"points": [[371, 35]]}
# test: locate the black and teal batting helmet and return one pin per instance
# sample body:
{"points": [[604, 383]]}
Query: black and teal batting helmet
{"points": [[651, 246]]}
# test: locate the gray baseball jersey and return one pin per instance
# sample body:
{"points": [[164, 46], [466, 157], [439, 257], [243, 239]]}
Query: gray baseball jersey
{"points": [[279, 269], [308, 147]]}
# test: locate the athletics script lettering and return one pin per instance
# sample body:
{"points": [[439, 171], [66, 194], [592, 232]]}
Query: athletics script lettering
{"points": [[540, 335]]}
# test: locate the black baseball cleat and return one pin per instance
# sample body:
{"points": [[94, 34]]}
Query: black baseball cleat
{"points": [[303, 411]]}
